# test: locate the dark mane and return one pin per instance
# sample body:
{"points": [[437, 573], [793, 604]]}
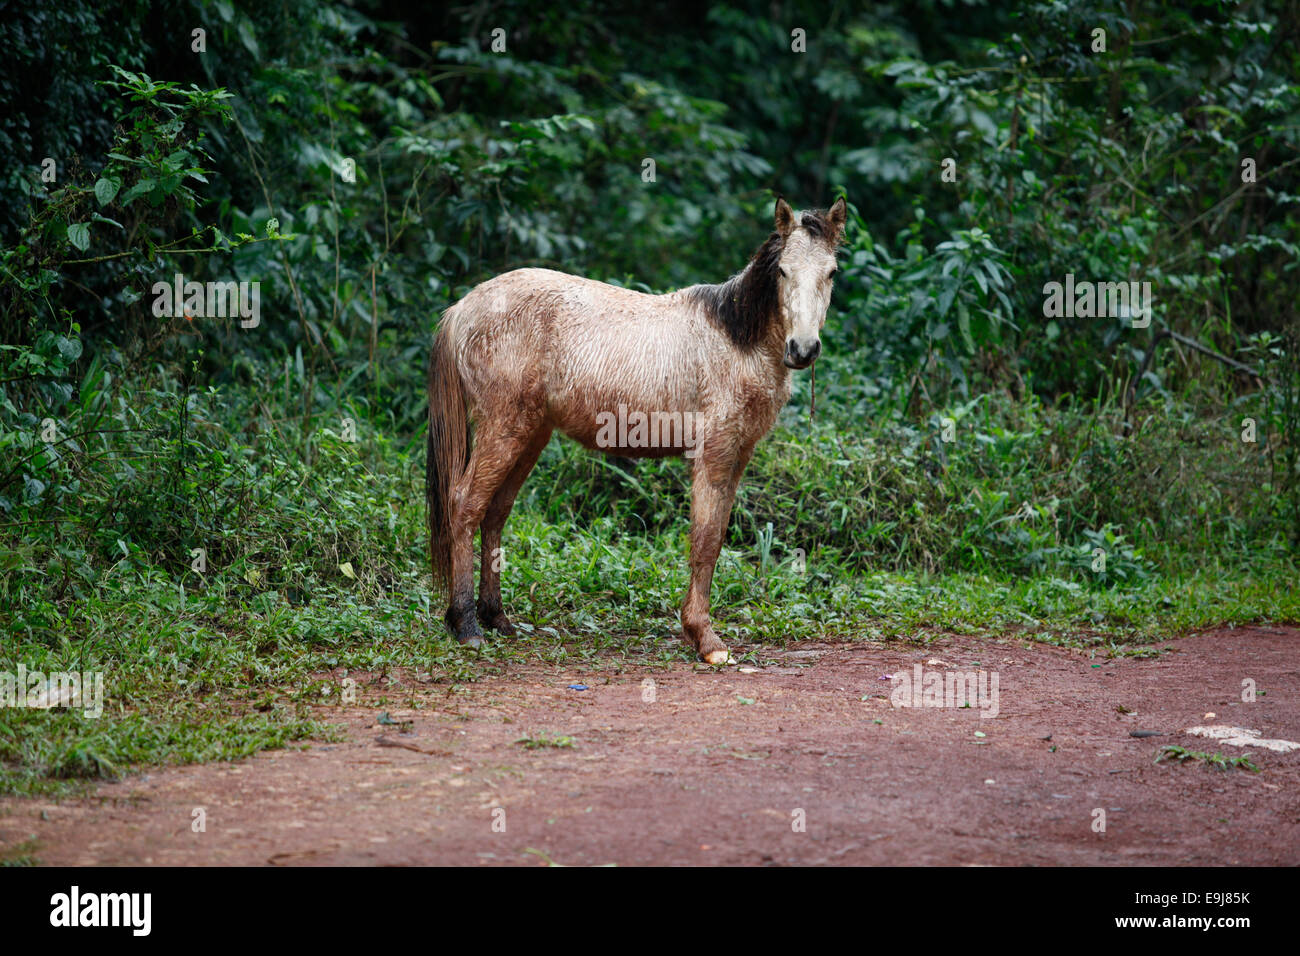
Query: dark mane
{"points": [[746, 304]]}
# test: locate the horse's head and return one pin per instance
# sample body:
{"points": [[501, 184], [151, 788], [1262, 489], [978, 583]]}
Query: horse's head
{"points": [[806, 266]]}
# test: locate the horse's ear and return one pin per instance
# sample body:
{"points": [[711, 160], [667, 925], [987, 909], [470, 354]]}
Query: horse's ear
{"points": [[838, 214], [784, 217]]}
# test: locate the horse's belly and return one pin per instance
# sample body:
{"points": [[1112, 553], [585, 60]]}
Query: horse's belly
{"points": [[647, 407], [635, 432]]}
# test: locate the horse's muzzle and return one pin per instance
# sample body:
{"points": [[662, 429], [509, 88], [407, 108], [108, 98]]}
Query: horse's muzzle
{"points": [[796, 357]]}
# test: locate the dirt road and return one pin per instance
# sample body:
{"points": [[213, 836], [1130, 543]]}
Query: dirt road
{"points": [[803, 761]]}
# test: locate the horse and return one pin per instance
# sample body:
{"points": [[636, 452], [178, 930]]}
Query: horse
{"points": [[622, 372]]}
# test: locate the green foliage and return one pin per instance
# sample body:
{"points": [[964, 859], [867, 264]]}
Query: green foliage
{"points": [[1216, 761]]}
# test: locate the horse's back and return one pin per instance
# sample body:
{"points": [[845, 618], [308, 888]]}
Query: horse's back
{"points": [[577, 345], [566, 316], [544, 295]]}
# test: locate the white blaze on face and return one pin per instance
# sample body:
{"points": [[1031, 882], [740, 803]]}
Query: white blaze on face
{"points": [[806, 269]]}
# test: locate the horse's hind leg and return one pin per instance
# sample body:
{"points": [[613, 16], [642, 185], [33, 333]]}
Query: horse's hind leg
{"points": [[497, 447], [490, 612]]}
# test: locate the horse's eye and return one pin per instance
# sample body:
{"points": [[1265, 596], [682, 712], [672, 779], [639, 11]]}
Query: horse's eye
{"points": [[831, 274], [784, 274]]}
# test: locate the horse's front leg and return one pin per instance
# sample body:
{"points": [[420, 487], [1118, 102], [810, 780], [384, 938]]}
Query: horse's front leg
{"points": [[713, 489]]}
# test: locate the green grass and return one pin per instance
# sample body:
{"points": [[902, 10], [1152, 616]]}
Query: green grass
{"points": [[21, 854], [1217, 761], [225, 672], [541, 742]]}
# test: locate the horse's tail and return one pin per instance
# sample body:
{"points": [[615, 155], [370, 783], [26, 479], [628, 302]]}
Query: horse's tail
{"points": [[449, 444]]}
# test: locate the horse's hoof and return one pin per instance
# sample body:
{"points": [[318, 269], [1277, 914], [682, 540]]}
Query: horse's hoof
{"points": [[499, 623], [491, 616], [471, 640], [718, 658]]}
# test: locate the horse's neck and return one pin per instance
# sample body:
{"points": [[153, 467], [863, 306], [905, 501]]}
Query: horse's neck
{"points": [[730, 306]]}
